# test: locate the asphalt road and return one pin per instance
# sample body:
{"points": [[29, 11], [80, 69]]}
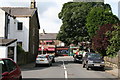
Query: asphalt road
{"points": [[63, 68]]}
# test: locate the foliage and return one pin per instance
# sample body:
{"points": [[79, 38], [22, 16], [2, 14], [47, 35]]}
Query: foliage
{"points": [[20, 50], [100, 41], [114, 46], [99, 16], [73, 16]]}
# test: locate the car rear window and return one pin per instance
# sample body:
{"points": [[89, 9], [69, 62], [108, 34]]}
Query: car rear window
{"points": [[41, 57]]}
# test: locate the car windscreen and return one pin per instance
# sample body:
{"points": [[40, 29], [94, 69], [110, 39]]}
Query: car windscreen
{"points": [[94, 56]]}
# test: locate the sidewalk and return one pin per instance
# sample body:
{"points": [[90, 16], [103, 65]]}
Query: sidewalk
{"points": [[27, 66], [113, 71]]}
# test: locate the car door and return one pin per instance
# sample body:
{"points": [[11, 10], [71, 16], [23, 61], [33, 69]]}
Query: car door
{"points": [[12, 69]]}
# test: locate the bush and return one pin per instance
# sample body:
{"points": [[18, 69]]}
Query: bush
{"points": [[20, 50]]}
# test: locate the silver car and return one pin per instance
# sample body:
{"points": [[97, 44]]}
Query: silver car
{"points": [[43, 59], [93, 60]]}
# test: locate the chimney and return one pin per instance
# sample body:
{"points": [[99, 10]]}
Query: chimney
{"points": [[33, 4]]}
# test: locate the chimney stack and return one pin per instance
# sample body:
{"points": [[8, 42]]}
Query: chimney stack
{"points": [[33, 4]]}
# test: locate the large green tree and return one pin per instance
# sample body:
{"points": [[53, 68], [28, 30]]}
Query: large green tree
{"points": [[99, 16], [114, 46], [73, 16]]}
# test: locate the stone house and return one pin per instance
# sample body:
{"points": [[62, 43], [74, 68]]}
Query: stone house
{"points": [[21, 23]]}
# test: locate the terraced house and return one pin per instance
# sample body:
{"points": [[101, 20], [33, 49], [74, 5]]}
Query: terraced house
{"points": [[20, 25]]}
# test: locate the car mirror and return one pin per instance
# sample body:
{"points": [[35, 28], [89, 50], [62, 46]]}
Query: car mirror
{"points": [[5, 74]]}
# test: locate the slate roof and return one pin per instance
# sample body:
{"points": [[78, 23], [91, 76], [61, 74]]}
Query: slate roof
{"points": [[47, 36], [19, 11], [6, 42]]}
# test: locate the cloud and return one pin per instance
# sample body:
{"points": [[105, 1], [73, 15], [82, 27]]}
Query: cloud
{"points": [[49, 20], [49, 26]]}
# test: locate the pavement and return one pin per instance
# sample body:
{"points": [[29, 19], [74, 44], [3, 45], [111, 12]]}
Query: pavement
{"points": [[113, 71]]}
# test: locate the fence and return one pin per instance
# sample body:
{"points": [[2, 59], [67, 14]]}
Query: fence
{"points": [[24, 58]]}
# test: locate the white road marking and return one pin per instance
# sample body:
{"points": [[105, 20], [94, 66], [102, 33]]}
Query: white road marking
{"points": [[65, 70], [66, 74]]}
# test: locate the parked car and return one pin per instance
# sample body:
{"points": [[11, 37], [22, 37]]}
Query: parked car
{"points": [[52, 58], [77, 58], [43, 59], [92, 60], [10, 70]]}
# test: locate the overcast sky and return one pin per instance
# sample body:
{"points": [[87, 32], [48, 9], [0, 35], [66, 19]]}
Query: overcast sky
{"points": [[48, 11]]}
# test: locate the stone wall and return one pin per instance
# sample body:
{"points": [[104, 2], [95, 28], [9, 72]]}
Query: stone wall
{"points": [[111, 62]]}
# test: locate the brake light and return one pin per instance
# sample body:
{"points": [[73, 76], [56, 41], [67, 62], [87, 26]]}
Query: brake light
{"points": [[47, 57]]}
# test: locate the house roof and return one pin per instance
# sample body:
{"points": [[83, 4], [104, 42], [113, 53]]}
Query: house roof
{"points": [[6, 42], [19, 11], [47, 36]]}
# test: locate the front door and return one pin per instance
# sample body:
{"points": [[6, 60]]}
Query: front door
{"points": [[11, 52]]}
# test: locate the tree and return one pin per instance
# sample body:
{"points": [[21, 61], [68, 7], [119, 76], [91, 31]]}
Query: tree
{"points": [[114, 46], [100, 41], [99, 16], [73, 16]]}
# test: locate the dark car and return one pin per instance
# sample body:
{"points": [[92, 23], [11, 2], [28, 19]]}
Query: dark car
{"points": [[52, 58], [10, 70], [78, 58], [93, 60]]}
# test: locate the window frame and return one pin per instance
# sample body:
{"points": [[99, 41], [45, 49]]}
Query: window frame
{"points": [[19, 26]]}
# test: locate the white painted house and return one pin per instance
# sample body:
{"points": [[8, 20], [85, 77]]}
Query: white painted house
{"points": [[21, 23], [8, 48]]}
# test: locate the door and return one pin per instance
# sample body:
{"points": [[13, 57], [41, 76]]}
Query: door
{"points": [[11, 52], [14, 72]]}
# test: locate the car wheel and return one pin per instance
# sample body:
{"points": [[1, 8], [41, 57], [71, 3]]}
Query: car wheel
{"points": [[20, 78], [103, 68], [49, 65], [75, 61]]}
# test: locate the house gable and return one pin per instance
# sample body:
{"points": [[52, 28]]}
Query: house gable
{"points": [[2, 23]]}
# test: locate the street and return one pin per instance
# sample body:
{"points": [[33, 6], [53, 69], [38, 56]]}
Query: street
{"points": [[63, 68]]}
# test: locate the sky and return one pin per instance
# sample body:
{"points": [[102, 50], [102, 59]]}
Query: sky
{"points": [[48, 11]]}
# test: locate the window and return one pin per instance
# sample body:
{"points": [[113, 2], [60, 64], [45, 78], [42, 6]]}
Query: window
{"points": [[10, 65], [19, 43], [20, 26], [11, 52]]}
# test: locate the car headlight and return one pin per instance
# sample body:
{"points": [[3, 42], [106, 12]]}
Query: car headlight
{"points": [[90, 61]]}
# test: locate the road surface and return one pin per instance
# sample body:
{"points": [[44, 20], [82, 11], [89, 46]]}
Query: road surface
{"points": [[64, 68]]}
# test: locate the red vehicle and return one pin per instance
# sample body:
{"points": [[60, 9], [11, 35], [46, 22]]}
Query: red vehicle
{"points": [[10, 70]]}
